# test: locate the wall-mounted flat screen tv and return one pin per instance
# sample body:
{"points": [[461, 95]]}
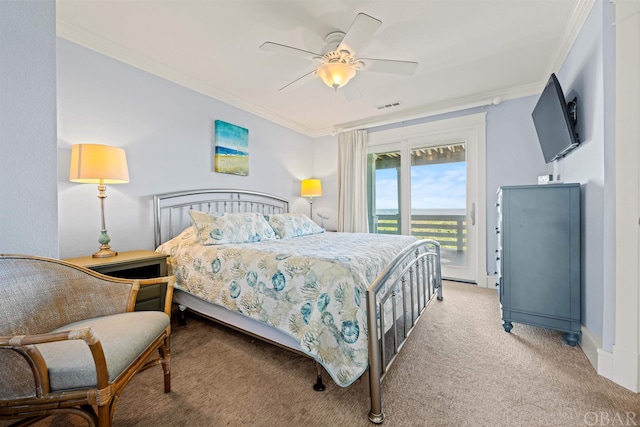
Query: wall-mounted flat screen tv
{"points": [[555, 121]]}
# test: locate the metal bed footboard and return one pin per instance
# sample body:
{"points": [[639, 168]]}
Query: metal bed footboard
{"points": [[403, 290]]}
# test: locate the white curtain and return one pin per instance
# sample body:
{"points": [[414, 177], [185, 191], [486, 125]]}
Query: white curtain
{"points": [[352, 182]]}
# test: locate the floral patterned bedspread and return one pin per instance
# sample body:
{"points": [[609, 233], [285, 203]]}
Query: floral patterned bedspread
{"points": [[311, 287]]}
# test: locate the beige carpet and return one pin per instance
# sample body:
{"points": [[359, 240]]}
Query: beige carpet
{"points": [[459, 368]]}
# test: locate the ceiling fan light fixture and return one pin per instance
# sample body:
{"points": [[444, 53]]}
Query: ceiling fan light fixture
{"points": [[336, 74]]}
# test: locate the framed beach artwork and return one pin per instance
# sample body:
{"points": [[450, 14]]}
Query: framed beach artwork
{"points": [[231, 149]]}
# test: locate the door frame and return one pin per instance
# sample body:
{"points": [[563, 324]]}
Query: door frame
{"points": [[470, 129], [622, 364]]}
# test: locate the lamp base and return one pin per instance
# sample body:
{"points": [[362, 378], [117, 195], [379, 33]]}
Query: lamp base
{"points": [[105, 250], [104, 253]]}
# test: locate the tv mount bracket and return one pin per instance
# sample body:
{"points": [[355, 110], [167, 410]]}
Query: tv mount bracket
{"points": [[572, 109]]}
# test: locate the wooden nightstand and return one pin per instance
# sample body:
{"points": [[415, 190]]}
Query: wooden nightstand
{"points": [[133, 265]]}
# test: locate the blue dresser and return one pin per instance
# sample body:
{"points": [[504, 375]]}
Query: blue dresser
{"points": [[538, 257]]}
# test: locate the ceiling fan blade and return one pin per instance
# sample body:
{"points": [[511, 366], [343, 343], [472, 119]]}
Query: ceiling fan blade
{"points": [[289, 50], [299, 82], [406, 68], [359, 33], [351, 91]]}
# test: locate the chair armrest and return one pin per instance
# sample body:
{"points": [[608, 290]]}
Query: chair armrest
{"points": [[170, 281], [26, 346]]}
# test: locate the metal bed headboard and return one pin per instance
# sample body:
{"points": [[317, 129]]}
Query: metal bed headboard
{"points": [[171, 210]]}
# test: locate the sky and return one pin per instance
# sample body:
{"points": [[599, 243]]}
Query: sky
{"points": [[439, 186]]}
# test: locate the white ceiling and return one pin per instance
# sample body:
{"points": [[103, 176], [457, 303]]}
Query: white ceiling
{"points": [[470, 52]]}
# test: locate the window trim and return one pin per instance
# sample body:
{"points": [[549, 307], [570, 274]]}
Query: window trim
{"points": [[471, 129]]}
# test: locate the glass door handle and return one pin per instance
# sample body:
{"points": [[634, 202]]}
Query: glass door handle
{"points": [[473, 214]]}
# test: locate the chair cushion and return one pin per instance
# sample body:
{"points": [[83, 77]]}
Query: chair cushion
{"points": [[124, 337]]}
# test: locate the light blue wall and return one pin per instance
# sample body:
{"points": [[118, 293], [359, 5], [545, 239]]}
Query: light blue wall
{"points": [[166, 131], [587, 73], [28, 195], [325, 167], [514, 157]]}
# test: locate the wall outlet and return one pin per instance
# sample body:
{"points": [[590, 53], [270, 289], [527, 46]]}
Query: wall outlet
{"points": [[545, 179]]}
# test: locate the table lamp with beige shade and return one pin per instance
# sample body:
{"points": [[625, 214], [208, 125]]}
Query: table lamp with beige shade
{"points": [[99, 164]]}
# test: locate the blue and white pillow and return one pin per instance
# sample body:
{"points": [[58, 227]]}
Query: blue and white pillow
{"points": [[214, 228], [292, 225]]}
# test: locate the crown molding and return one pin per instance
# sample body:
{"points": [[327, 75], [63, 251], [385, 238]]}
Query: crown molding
{"points": [[458, 104], [106, 47], [571, 30]]}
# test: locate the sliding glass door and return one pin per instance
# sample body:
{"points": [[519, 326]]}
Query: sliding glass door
{"points": [[439, 199], [426, 185], [384, 193]]}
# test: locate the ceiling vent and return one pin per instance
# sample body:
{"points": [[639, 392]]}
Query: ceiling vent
{"points": [[390, 105]]}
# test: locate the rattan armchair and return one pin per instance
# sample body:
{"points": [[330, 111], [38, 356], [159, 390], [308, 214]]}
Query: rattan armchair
{"points": [[70, 340]]}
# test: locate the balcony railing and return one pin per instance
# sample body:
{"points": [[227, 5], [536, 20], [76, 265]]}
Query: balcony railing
{"points": [[449, 230]]}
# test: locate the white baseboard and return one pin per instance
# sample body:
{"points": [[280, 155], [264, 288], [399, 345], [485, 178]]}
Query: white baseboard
{"points": [[605, 364], [620, 366], [591, 346], [490, 282], [626, 368]]}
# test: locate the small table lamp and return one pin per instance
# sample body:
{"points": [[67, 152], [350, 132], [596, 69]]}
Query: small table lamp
{"points": [[311, 188], [99, 164]]}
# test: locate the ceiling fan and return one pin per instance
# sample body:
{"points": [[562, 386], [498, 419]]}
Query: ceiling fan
{"points": [[338, 59]]}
